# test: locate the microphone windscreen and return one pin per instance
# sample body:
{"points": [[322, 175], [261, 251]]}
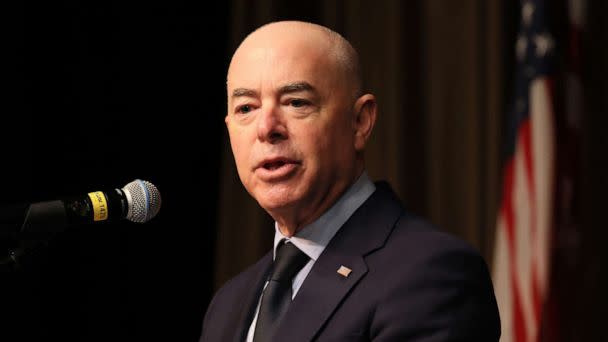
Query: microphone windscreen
{"points": [[143, 200]]}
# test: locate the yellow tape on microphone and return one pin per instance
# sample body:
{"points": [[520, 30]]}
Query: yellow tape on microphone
{"points": [[100, 206]]}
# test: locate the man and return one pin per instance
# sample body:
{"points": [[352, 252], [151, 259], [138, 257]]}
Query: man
{"points": [[358, 266]]}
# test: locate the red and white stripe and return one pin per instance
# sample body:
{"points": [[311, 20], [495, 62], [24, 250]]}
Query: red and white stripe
{"points": [[523, 240]]}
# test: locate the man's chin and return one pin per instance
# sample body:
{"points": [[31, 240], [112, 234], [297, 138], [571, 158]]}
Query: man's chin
{"points": [[276, 195], [276, 204]]}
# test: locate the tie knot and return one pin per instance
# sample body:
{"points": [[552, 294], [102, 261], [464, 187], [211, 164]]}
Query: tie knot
{"points": [[289, 261]]}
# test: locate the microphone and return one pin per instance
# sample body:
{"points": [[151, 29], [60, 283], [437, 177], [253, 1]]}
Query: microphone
{"points": [[139, 201]]}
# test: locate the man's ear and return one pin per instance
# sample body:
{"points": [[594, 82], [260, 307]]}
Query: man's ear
{"points": [[227, 120], [364, 119]]}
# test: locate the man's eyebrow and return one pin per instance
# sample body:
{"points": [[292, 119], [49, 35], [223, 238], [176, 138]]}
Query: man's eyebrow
{"points": [[240, 92], [286, 89], [296, 87]]}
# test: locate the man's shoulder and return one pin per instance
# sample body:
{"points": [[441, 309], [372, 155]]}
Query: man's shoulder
{"points": [[228, 300], [244, 278], [418, 243], [419, 234], [409, 233], [412, 231], [421, 254]]}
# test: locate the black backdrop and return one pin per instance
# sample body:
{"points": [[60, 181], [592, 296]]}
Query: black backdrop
{"points": [[107, 92]]}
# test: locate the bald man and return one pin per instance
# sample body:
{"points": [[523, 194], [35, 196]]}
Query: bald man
{"points": [[349, 263]]}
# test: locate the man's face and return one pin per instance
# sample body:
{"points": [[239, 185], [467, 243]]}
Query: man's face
{"points": [[290, 121]]}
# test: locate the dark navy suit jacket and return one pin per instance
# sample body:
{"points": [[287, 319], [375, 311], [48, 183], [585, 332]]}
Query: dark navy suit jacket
{"points": [[409, 282]]}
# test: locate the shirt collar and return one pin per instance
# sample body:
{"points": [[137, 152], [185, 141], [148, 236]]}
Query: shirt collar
{"points": [[313, 238]]}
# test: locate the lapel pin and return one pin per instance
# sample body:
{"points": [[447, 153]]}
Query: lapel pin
{"points": [[344, 271]]}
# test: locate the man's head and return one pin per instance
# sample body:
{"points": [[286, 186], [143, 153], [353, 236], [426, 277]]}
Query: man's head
{"points": [[297, 120]]}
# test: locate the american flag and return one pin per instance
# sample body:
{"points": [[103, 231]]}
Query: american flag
{"points": [[525, 220]]}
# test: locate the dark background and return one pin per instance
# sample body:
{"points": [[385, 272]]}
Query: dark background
{"points": [[113, 91], [107, 92]]}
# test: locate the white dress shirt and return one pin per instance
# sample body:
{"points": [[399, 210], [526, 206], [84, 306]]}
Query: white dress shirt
{"points": [[313, 238]]}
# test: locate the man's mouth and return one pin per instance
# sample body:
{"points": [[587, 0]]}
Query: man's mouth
{"points": [[273, 165], [276, 168]]}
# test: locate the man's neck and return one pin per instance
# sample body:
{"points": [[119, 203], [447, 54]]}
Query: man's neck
{"points": [[296, 219]]}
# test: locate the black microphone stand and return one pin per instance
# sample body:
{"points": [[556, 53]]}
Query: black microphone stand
{"points": [[15, 256], [40, 222]]}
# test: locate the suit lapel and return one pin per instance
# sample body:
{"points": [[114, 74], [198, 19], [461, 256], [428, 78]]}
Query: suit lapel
{"points": [[320, 294], [250, 299], [324, 288]]}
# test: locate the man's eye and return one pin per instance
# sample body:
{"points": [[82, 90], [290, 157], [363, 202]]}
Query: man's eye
{"points": [[244, 109], [298, 103]]}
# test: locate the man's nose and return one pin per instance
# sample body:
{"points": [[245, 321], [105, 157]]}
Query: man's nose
{"points": [[271, 125]]}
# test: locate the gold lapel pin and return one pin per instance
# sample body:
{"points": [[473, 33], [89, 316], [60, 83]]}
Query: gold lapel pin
{"points": [[344, 271]]}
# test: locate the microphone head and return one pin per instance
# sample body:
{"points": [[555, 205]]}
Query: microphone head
{"points": [[143, 201]]}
